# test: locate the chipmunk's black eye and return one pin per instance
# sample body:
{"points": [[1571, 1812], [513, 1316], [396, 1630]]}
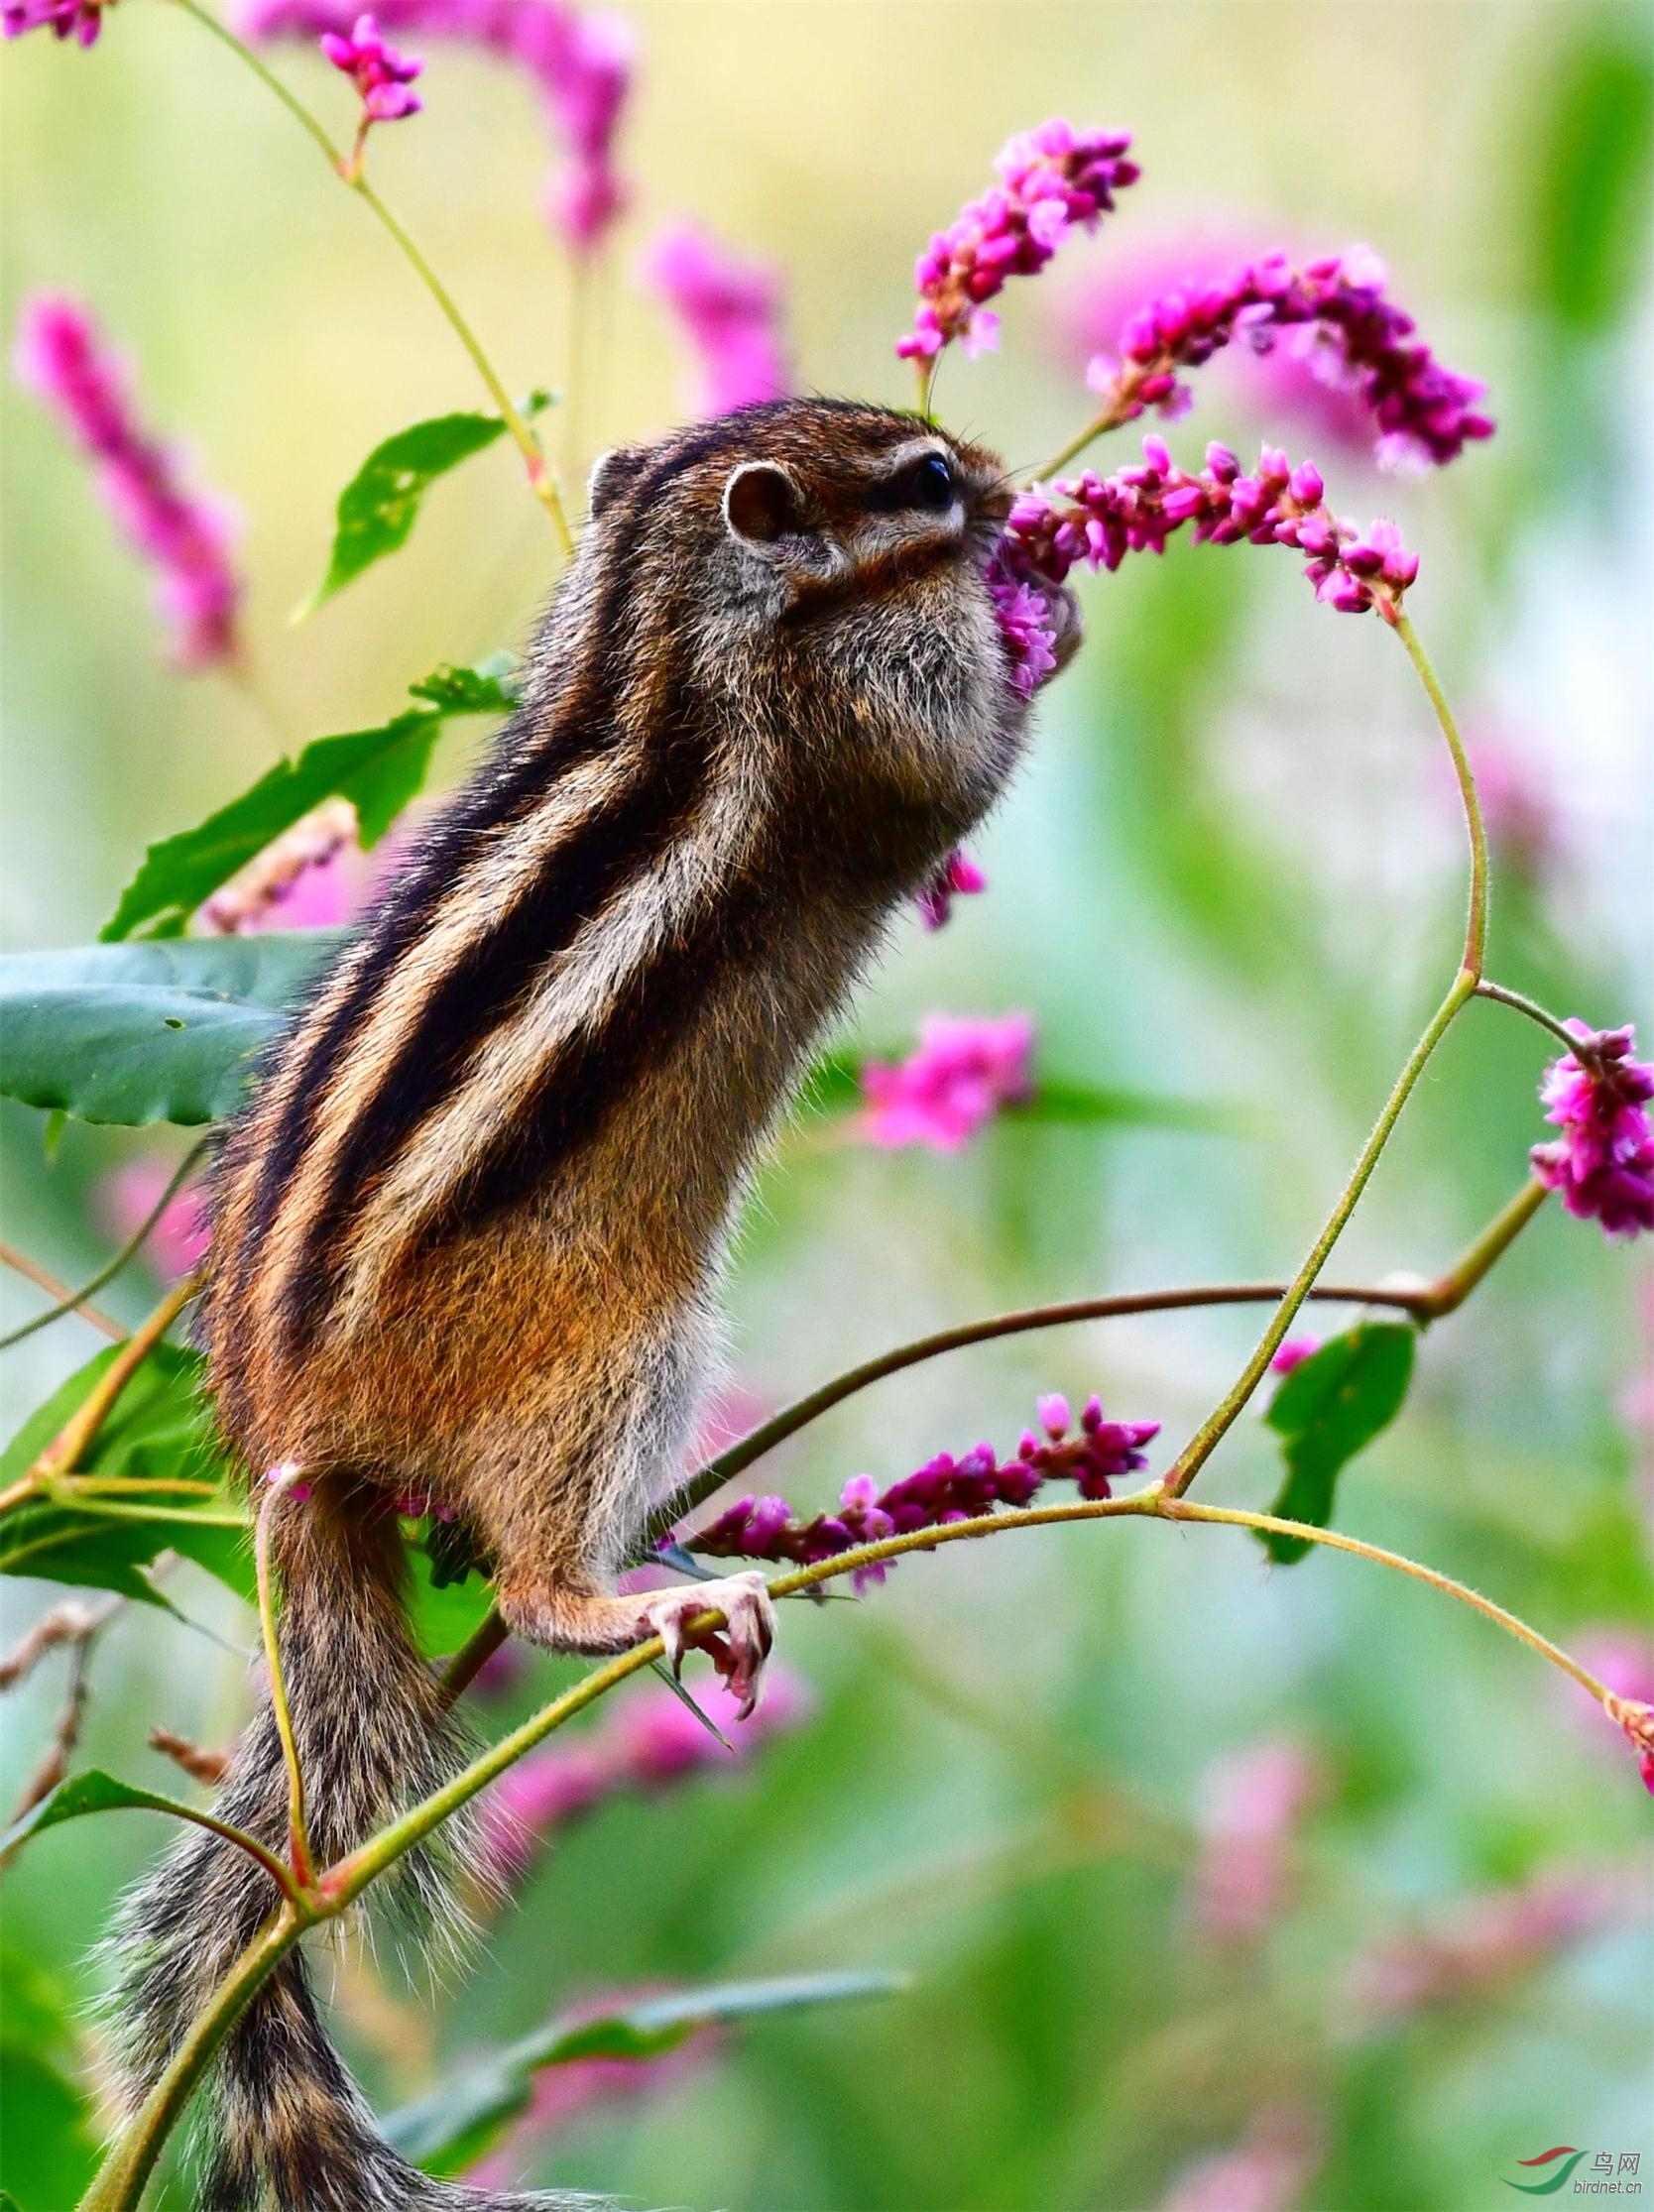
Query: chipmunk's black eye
{"points": [[926, 483]]}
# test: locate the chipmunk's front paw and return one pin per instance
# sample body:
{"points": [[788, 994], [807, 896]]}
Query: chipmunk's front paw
{"points": [[740, 1649]]}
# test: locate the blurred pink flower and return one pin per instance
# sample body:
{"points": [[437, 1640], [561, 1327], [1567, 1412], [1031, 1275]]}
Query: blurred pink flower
{"points": [[730, 311], [1481, 1943], [561, 2093], [1293, 1352], [60, 356], [1255, 1803], [580, 59], [382, 75], [1268, 2170], [964, 1070], [1519, 813], [649, 1742], [126, 1197], [314, 876], [81, 20]]}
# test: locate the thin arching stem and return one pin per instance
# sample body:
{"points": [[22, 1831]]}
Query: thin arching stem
{"points": [[74, 1301], [298, 1835], [55, 1288], [347, 168]]}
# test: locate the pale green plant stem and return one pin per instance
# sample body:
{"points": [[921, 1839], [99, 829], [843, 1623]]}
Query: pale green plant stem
{"points": [[132, 2158], [111, 1268], [297, 1833], [348, 168], [1217, 1422]]}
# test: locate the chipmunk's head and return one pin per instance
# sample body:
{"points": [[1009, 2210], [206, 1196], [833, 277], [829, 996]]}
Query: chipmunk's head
{"points": [[843, 549]]}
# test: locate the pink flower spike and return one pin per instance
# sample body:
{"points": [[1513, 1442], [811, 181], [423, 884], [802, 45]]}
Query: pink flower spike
{"points": [[730, 312], [963, 1072], [1053, 179], [1637, 1721], [1602, 1164], [381, 75], [81, 20], [59, 357]]}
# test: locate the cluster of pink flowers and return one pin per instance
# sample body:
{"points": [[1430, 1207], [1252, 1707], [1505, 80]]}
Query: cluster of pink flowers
{"points": [[648, 1742], [1351, 335], [1603, 1161], [60, 358], [1099, 520], [958, 878], [382, 76], [944, 1490], [1481, 1943], [581, 62], [1052, 179], [730, 311], [965, 1069], [1023, 614], [81, 20], [1254, 1804]]}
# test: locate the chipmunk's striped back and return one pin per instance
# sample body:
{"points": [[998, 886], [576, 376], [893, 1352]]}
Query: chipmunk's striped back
{"points": [[465, 1232]]}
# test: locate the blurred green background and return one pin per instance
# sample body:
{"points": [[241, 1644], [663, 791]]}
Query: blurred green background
{"points": [[1232, 870]]}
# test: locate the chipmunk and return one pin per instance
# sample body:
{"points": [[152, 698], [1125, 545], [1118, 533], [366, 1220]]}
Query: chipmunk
{"points": [[466, 1231]]}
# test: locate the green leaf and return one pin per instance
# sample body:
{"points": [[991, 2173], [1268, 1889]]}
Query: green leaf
{"points": [[1589, 159], [488, 688], [448, 2131], [80, 1793], [380, 505], [49, 2138], [159, 1426], [154, 1031], [1327, 1410], [379, 771]]}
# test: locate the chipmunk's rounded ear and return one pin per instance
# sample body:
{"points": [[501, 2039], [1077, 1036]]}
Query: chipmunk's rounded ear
{"points": [[762, 503], [611, 472]]}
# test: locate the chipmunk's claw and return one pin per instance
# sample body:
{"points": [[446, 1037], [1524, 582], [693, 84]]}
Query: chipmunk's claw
{"points": [[740, 1649]]}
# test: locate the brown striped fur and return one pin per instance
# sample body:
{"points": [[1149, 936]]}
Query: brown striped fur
{"points": [[467, 1232]]}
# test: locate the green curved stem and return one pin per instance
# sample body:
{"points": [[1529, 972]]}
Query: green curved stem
{"points": [[1502, 996], [347, 168], [111, 1268], [1223, 1417], [297, 1833], [1476, 926], [118, 2185]]}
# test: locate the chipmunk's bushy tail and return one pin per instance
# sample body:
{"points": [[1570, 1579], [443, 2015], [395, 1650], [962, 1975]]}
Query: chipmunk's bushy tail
{"points": [[286, 2123]]}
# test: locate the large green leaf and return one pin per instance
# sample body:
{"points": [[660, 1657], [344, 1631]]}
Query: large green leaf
{"points": [[49, 2137], [1326, 1410], [380, 505], [159, 1426], [446, 2131], [379, 771], [79, 1794], [154, 1031]]}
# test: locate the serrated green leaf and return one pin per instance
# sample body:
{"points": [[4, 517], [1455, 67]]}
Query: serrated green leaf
{"points": [[80, 1793], [1325, 1411], [379, 771], [380, 505], [158, 1030], [488, 688], [445, 2131], [159, 1427]]}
